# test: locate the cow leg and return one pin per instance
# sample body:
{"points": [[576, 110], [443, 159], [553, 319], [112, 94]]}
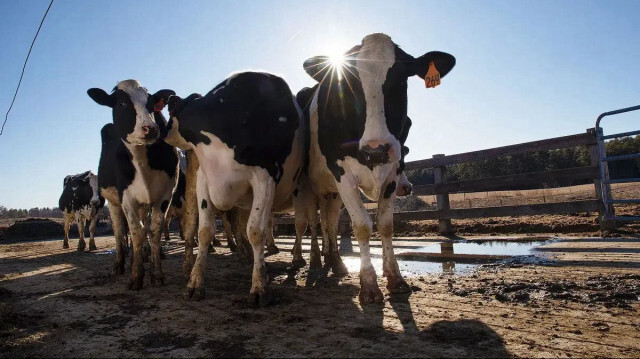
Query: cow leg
{"points": [[390, 269], [138, 239], [245, 252], [206, 231], [324, 220], [271, 243], [157, 224], [332, 206], [301, 226], [362, 228], [92, 231], [228, 230], [315, 261], [144, 212], [67, 224], [119, 224], [189, 219], [167, 222], [81, 242], [263, 193]]}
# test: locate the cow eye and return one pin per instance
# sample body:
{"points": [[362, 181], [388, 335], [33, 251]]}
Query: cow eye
{"points": [[122, 104]]}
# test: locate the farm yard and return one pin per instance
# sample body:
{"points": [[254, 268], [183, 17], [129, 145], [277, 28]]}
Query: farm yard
{"points": [[473, 180], [580, 299]]}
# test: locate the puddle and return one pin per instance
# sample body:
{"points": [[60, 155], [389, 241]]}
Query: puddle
{"points": [[410, 268], [105, 251], [495, 248], [450, 257]]}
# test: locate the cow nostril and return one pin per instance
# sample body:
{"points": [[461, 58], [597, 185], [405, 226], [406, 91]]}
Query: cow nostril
{"points": [[150, 132]]}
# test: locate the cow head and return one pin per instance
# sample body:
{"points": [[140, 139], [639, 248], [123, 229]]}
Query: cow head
{"points": [[377, 71], [95, 196], [178, 135], [135, 112]]}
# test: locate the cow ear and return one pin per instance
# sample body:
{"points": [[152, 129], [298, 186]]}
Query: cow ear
{"points": [[161, 98], [173, 102], [442, 62], [317, 67], [101, 97]]}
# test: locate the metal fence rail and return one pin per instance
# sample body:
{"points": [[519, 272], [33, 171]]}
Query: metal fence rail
{"points": [[609, 218]]}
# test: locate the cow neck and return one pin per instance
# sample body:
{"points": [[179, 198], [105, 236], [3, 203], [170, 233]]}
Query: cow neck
{"points": [[138, 155]]}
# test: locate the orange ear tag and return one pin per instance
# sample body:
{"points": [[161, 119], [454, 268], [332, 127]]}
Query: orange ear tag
{"points": [[432, 78]]}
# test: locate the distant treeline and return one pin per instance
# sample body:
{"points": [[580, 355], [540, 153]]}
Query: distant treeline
{"points": [[538, 162], [45, 212]]}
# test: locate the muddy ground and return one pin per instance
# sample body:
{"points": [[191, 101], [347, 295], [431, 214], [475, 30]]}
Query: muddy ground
{"points": [[61, 303]]}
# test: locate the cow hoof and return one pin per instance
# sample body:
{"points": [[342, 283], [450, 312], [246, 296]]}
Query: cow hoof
{"points": [[369, 290], [194, 293], [338, 267], [135, 283], [272, 249], [370, 295], [211, 249], [92, 247], [216, 242], [257, 300], [65, 245], [118, 269], [81, 246], [232, 247], [299, 263], [397, 285], [157, 281]]}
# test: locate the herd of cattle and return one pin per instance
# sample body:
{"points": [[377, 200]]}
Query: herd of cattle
{"points": [[253, 149]]}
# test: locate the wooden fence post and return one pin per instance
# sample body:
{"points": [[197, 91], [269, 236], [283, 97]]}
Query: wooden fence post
{"points": [[442, 200]]}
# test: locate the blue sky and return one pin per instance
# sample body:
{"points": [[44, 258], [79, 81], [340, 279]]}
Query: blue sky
{"points": [[526, 70]]}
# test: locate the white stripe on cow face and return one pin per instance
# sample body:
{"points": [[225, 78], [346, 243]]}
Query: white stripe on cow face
{"points": [[93, 182], [144, 118], [375, 58]]}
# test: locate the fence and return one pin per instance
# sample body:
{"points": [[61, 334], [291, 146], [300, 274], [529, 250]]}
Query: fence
{"points": [[596, 172]]}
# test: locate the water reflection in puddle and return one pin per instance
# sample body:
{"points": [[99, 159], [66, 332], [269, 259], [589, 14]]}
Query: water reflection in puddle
{"points": [[410, 268], [470, 255]]}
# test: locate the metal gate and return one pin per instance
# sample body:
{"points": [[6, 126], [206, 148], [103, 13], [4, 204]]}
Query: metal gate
{"points": [[609, 218]]}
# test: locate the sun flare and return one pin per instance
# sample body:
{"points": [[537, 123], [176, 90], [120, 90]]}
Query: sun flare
{"points": [[336, 61]]}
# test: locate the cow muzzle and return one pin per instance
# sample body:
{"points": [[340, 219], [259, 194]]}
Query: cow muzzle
{"points": [[150, 132], [404, 189], [377, 153]]}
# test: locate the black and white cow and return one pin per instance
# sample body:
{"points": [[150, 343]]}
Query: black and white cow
{"points": [[136, 169], [357, 116], [80, 201], [247, 137], [307, 203]]}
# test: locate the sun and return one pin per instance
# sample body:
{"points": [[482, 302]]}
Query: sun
{"points": [[337, 62]]}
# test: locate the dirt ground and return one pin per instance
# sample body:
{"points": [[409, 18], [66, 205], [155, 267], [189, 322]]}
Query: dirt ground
{"points": [[61, 303]]}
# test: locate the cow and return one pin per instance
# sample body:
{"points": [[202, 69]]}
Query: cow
{"points": [[80, 201], [307, 204], [136, 169], [247, 137], [357, 115]]}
